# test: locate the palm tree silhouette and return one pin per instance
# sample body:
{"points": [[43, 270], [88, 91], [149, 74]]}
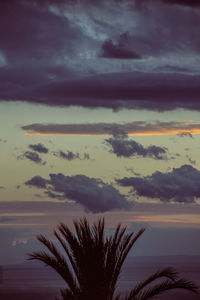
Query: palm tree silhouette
{"points": [[91, 263]]}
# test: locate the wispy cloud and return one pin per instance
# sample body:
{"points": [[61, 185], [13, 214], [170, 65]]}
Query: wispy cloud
{"points": [[138, 128]]}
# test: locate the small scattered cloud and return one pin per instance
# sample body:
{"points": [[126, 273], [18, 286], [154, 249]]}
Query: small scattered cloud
{"points": [[69, 155], [192, 161], [179, 185], [185, 134], [86, 156], [93, 194], [37, 181], [124, 147], [32, 156], [39, 148], [3, 141]]}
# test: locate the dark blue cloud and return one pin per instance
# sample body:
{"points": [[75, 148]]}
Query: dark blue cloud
{"points": [[37, 181], [69, 155], [39, 148], [124, 147], [120, 49], [121, 90], [55, 59], [192, 3], [33, 156], [93, 194], [185, 134], [180, 185]]}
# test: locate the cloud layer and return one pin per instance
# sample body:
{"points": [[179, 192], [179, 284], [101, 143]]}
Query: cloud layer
{"points": [[179, 185], [185, 128], [141, 54], [93, 194], [157, 92]]}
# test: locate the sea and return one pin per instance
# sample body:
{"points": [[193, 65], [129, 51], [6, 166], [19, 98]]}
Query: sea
{"points": [[34, 281]]}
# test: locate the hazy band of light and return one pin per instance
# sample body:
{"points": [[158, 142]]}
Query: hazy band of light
{"points": [[28, 214], [171, 218]]}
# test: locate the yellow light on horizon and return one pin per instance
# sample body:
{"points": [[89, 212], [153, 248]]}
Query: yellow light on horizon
{"points": [[145, 133]]}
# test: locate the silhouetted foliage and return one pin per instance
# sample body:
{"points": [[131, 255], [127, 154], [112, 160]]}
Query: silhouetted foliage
{"points": [[92, 263]]}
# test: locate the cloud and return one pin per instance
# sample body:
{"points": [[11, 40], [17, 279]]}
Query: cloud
{"points": [[55, 59], [123, 147], [179, 185], [132, 90], [192, 3], [33, 156], [33, 53], [119, 50], [69, 155], [93, 194], [37, 181], [185, 134], [3, 140], [133, 128], [39, 148], [192, 161], [12, 252]]}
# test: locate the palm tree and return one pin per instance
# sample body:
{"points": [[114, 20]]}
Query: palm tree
{"points": [[91, 263]]}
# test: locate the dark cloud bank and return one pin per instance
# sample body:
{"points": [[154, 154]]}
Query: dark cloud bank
{"points": [[93, 194], [180, 185], [192, 3], [129, 90], [46, 60]]}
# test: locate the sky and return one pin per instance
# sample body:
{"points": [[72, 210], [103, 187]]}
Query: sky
{"points": [[99, 117]]}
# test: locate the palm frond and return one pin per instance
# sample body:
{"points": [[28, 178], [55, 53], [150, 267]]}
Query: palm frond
{"points": [[91, 264], [124, 248], [166, 285], [169, 273], [57, 261]]}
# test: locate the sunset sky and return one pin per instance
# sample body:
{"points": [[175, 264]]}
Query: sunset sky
{"points": [[99, 116]]}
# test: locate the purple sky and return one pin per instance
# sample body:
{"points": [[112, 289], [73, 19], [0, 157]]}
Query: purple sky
{"points": [[99, 116]]}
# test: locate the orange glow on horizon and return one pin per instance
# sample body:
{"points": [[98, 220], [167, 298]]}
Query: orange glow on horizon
{"points": [[156, 133]]}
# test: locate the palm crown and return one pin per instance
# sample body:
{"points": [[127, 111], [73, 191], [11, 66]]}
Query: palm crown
{"points": [[91, 263]]}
